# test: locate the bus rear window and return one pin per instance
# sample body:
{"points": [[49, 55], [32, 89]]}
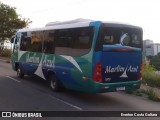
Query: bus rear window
{"points": [[120, 35]]}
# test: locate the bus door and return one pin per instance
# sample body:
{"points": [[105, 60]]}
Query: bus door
{"points": [[15, 49]]}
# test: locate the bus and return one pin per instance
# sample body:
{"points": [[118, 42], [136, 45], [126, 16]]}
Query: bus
{"points": [[87, 56]]}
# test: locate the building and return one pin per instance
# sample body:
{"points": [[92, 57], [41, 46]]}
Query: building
{"points": [[156, 48], [150, 49]]}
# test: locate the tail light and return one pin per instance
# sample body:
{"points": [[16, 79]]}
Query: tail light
{"points": [[98, 72], [140, 73]]}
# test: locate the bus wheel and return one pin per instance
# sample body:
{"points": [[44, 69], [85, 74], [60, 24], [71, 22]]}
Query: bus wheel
{"points": [[53, 83], [19, 73]]}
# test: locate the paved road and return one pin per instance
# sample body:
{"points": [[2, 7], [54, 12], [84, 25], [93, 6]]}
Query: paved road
{"points": [[32, 94]]}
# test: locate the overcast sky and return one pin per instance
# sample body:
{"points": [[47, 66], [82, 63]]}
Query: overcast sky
{"points": [[143, 13]]}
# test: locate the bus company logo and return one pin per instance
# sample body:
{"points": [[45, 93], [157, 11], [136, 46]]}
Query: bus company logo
{"points": [[32, 59], [36, 59], [124, 70]]}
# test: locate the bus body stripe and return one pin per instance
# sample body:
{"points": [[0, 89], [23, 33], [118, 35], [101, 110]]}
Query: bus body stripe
{"points": [[72, 60], [20, 53], [39, 69]]}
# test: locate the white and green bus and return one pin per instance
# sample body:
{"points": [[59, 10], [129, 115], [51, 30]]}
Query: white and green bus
{"points": [[88, 56]]}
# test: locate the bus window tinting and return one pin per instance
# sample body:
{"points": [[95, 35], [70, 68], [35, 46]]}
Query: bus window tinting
{"points": [[74, 42], [48, 45], [36, 41], [25, 41], [119, 35], [124, 36]]}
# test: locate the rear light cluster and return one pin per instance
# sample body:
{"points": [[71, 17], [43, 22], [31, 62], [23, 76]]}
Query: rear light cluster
{"points": [[140, 73], [97, 77]]}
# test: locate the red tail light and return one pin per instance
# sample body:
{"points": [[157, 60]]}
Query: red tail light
{"points": [[140, 73], [98, 72]]}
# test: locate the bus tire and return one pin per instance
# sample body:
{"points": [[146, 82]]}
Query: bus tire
{"points": [[53, 83], [19, 73]]}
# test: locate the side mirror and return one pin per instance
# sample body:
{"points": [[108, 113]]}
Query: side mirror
{"points": [[12, 39]]}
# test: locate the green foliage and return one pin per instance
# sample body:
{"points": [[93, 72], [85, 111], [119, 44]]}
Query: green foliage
{"points": [[156, 61], [148, 68], [149, 76], [152, 79], [10, 21], [151, 94], [6, 53]]}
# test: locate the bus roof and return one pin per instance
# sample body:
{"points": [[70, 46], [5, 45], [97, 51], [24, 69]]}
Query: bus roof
{"points": [[60, 25], [76, 23], [80, 20]]}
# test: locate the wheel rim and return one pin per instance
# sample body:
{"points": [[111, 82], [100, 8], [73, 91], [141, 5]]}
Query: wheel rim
{"points": [[53, 83], [18, 72]]}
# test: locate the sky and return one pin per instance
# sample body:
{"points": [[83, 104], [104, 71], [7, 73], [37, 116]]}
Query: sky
{"points": [[143, 13]]}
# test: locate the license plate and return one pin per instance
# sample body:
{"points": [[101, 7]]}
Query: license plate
{"points": [[120, 88]]}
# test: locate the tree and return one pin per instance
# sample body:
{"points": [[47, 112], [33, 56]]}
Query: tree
{"points": [[10, 21], [156, 61]]}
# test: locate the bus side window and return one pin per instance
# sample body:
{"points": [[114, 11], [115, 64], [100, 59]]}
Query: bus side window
{"points": [[48, 45], [25, 41], [62, 42], [73, 41], [82, 41], [36, 41]]}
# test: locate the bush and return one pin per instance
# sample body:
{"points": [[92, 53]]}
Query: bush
{"points": [[156, 61], [151, 94], [6, 53], [149, 76], [148, 68]]}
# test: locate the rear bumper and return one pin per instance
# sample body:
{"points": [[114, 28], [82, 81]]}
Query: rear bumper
{"points": [[113, 87]]}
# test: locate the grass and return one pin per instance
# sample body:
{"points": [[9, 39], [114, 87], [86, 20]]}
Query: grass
{"points": [[149, 93], [150, 78]]}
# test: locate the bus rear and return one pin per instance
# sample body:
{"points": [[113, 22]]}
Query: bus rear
{"points": [[117, 60]]}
